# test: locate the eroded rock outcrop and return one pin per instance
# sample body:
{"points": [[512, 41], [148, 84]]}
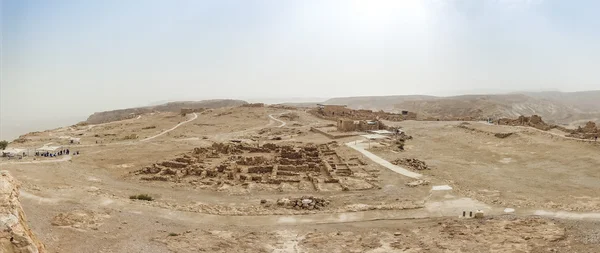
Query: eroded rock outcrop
{"points": [[533, 121], [15, 235], [589, 131]]}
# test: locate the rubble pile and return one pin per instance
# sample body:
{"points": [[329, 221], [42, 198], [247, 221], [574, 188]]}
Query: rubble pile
{"points": [[303, 203], [404, 137], [400, 140], [412, 163], [217, 149], [252, 160], [589, 131], [590, 127], [533, 121], [338, 111], [278, 132], [417, 183]]}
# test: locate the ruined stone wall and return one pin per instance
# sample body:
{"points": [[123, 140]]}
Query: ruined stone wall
{"points": [[260, 169], [346, 125], [533, 121], [173, 164], [15, 235], [365, 126], [254, 160], [298, 168], [589, 131], [336, 111], [358, 125], [590, 127]]}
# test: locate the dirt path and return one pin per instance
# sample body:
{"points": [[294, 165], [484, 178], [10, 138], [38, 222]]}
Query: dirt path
{"points": [[360, 147], [278, 120], [171, 129], [67, 158], [224, 136]]}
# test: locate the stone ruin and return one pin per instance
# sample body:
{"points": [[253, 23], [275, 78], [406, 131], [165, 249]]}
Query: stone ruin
{"points": [[533, 121], [316, 167], [589, 131], [347, 125], [301, 203], [419, 182], [412, 163], [334, 112], [276, 133]]}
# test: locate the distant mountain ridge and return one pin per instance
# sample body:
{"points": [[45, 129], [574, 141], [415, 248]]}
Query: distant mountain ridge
{"points": [[554, 107], [386, 103], [114, 115]]}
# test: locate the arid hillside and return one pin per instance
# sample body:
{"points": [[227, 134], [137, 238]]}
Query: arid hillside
{"points": [[109, 116], [555, 107], [385, 103], [484, 106], [585, 101], [257, 178]]}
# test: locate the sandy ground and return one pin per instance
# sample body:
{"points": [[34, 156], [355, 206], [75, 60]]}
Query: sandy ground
{"points": [[528, 169], [83, 205]]}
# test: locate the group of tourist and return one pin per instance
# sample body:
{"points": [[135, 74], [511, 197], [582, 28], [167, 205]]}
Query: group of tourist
{"points": [[55, 154]]}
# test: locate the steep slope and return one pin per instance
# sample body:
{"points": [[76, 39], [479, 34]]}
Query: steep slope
{"points": [[555, 107], [584, 101], [484, 106], [108, 116], [15, 235]]}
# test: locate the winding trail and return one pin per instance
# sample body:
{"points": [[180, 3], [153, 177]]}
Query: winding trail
{"points": [[67, 158], [441, 208], [224, 136], [360, 147], [278, 120], [171, 129]]}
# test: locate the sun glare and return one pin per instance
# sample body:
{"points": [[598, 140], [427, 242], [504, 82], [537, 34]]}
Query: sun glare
{"points": [[382, 12]]}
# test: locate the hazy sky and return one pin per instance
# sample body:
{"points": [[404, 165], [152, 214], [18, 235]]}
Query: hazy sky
{"points": [[71, 58]]}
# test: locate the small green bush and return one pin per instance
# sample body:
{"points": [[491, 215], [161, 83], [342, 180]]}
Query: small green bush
{"points": [[142, 197], [173, 234], [3, 144]]}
